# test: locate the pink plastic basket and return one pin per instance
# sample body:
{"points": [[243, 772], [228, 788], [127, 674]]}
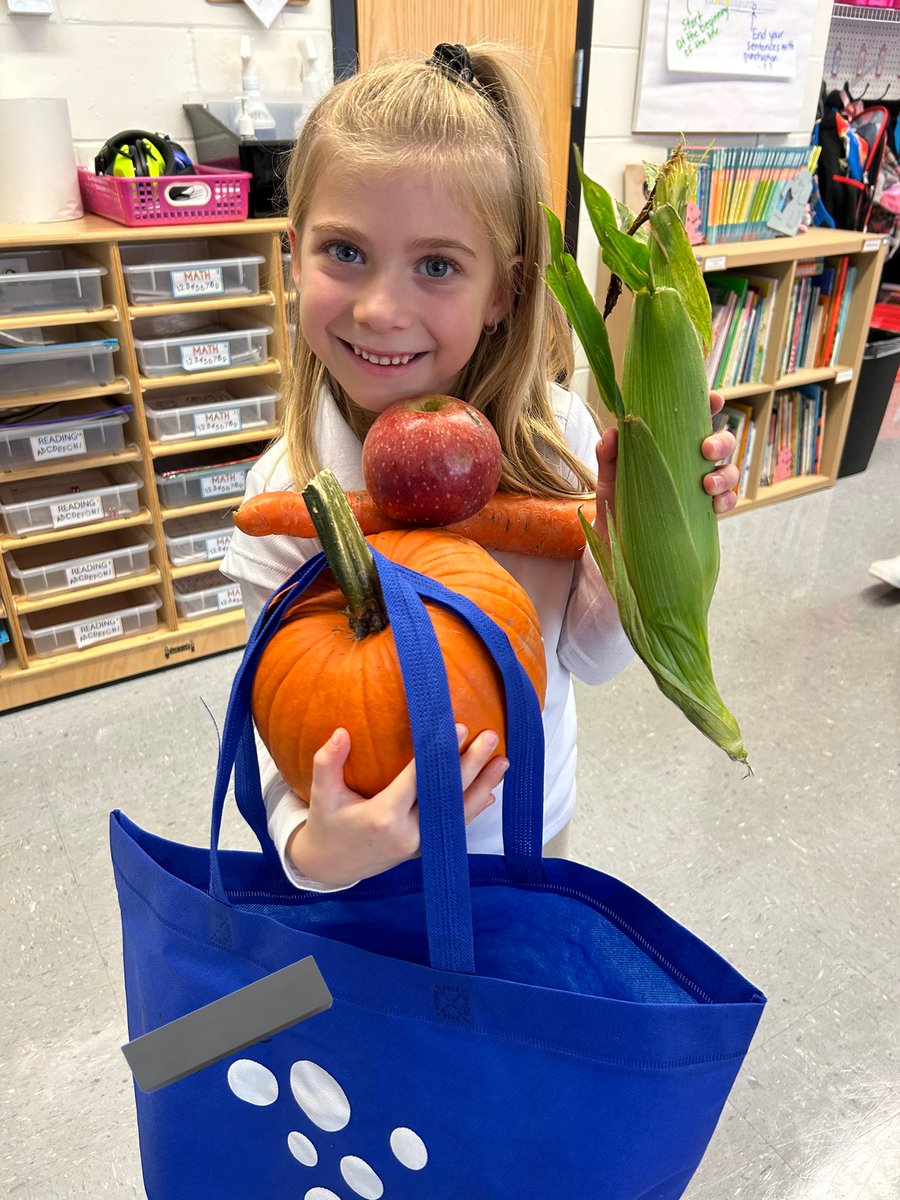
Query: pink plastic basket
{"points": [[211, 194]]}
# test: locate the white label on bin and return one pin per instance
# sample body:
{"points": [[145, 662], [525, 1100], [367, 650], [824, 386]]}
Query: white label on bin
{"points": [[224, 420], [90, 572], [98, 630], [715, 264], [872, 244], [198, 281], [216, 547], [229, 598], [62, 444], [76, 511], [844, 376], [205, 356], [222, 483]]}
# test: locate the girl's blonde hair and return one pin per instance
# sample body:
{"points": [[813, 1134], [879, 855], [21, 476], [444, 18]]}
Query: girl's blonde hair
{"points": [[481, 140]]}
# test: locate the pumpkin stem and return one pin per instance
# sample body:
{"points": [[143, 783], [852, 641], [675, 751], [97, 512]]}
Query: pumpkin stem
{"points": [[348, 554]]}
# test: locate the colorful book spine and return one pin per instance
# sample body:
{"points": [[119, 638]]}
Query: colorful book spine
{"points": [[741, 186]]}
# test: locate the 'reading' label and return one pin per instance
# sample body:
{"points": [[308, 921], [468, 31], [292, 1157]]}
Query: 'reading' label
{"points": [[97, 571], [76, 511], [63, 444], [98, 630]]}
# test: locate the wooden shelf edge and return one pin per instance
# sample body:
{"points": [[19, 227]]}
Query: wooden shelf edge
{"points": [[125, 583], [261, 433], [81, 316], [221, 504], [789, 489], [8, 542], [150, 383], [27, 399], [63, 466], [207, 304], [815, 243], [94, 228], [108, 662], [197, 568]]}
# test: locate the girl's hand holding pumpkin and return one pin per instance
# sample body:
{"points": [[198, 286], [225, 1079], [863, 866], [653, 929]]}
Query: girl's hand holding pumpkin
{"points": [[718, 484], [347, 837]]}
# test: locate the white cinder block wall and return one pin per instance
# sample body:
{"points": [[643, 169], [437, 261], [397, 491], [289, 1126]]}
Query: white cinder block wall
{"points": [[131, 63]]}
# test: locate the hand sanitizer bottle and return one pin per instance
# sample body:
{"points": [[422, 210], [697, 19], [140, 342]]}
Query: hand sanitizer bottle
{"points": [[263, 121]]}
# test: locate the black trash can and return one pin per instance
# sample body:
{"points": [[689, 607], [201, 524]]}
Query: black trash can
{"points": [[881, 361]]}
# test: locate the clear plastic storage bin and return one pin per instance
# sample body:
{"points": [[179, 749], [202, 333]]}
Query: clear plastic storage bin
{"points": [[191, 269], [200, 537], [75, 498], [52, 280], [208, 410], [83, 624], [192, 479], [80, 562], [184, 344], [203, 595], [75, 429], [31, 363]]}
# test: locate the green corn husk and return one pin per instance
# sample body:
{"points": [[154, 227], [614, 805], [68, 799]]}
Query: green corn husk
{"points": [[663, 555]]}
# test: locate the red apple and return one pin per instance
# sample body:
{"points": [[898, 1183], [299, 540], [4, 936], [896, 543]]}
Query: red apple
{"points": [[431, 460]]}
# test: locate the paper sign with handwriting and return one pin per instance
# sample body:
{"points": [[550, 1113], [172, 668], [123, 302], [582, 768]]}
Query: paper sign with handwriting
{"points": [[732, 37]]}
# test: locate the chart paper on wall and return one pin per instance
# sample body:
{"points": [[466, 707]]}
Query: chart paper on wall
{"points": [[740, 37], [724, 66]]}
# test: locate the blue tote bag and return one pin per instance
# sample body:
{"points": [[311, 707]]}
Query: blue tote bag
{"points": [[502, 1025]]}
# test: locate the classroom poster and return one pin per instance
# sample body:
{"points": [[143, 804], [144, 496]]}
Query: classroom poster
{"points": [[736, 37], [730, 74]]}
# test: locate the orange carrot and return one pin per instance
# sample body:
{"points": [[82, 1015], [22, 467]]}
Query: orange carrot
{"points": [[538, 525]]}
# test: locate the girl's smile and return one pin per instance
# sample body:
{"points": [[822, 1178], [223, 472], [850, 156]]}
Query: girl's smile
{"points": [[396, 282]]}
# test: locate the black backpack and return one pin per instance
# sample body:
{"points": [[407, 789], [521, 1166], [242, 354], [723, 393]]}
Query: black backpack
{"points": [[849, 164]]}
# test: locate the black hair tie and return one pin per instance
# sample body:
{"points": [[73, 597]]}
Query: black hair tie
{"points": [[454, 61]]}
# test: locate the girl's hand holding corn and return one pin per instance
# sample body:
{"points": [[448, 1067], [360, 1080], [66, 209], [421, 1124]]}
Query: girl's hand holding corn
{"points": [[718, 484]]}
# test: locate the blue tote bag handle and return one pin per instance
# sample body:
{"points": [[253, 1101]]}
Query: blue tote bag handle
{"points": [[442, 827]]}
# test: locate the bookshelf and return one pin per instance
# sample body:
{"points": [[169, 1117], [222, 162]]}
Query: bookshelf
{"points": [[778, 258], [170, 636]]}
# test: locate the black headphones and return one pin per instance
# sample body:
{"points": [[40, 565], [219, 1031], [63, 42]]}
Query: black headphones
{"points": [[137, 152]]}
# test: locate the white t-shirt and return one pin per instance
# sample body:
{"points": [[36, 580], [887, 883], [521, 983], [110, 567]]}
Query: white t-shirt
{"points": [[579, 620]]}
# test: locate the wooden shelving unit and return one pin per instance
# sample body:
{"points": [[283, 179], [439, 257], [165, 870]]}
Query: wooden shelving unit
{"points": [[27, 678], [778, 257]]}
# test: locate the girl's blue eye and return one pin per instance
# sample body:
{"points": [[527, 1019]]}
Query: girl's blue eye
{"points": [[343, 252], [438, 268]]}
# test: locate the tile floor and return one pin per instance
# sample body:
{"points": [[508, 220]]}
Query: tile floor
{"points": [[792, 874]]}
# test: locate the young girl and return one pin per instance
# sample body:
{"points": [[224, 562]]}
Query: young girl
{"points": [[418, 244]]}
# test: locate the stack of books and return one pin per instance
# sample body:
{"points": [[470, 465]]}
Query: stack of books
{"points": [[794, 437], [741, 318], [820, 300], [740, 419], [740, 187]]}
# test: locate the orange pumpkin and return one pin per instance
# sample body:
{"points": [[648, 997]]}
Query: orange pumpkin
{"points": [[316, 674]]}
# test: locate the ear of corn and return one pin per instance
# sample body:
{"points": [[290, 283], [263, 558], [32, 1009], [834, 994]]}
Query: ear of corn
{"points": [[662, 559]]}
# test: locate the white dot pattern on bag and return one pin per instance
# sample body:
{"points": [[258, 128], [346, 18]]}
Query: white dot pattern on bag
{"points": [[325, 1103], [320, 1096], [252, 1082], [360, 1176], [302, 1149], [409, 1149]]}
